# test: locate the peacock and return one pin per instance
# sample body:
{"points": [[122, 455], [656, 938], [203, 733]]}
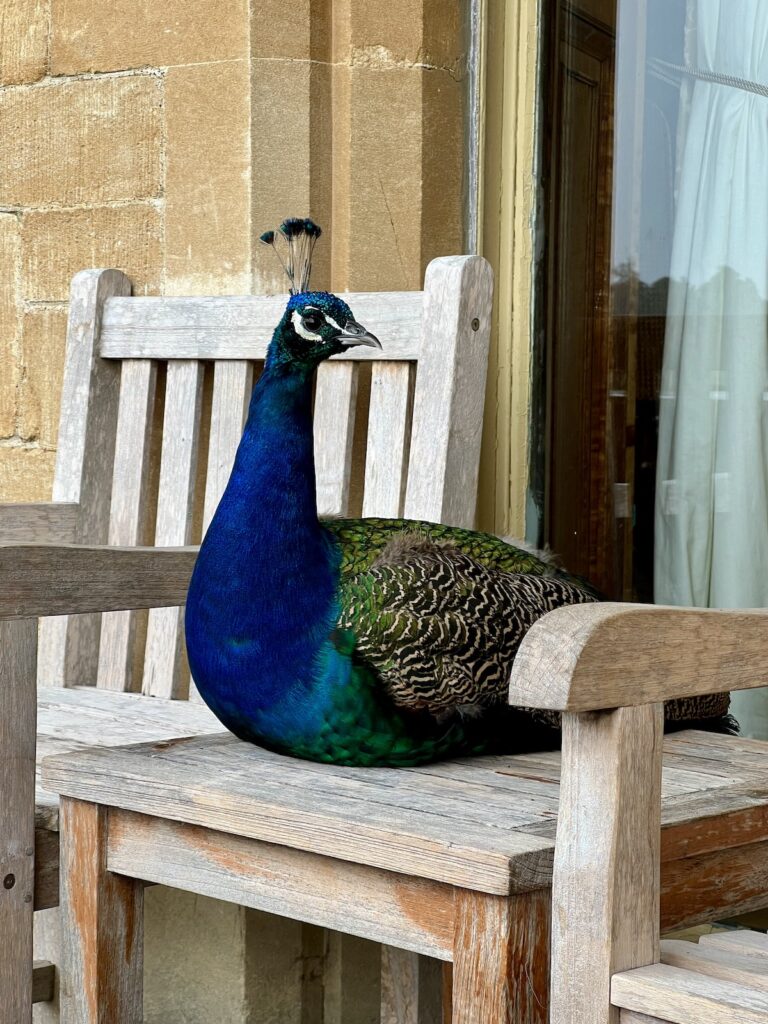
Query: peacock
{"points": [[355, 642]]}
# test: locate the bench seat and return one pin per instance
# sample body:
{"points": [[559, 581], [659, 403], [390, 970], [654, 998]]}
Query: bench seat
{"points": [[84, 716]]}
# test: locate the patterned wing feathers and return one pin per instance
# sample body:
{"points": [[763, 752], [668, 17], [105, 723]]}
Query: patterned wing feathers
{"points": [[441, 628]]}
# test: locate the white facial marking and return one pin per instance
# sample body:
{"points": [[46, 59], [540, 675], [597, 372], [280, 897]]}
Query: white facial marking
{"points": [[301, 330], [332, 322]]}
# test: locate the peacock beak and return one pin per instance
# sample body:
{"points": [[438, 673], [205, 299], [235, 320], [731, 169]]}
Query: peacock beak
{"points": [[355, 334]]}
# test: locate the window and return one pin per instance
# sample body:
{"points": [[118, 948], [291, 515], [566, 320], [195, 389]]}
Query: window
{"points": [[654, 478]]}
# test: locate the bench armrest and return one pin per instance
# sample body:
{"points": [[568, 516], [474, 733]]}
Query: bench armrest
{"points": [[67, 579], [593, 657]]}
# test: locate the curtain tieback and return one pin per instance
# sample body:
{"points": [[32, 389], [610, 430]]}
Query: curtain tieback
{"points": [[704, 75]]}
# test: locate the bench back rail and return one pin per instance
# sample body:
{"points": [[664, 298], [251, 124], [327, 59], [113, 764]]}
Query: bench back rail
{"points": [[155, 395]]}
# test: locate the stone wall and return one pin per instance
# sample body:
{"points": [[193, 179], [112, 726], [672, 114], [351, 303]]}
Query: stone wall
{"points": [[163, 138]]}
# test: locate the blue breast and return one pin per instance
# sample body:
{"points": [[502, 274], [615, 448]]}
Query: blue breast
{"points": [[263, 596]]}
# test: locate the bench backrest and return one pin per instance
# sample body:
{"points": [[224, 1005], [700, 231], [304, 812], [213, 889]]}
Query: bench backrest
{"points": [[154, 399]]}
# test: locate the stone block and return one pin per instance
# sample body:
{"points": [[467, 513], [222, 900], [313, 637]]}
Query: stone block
{"points": [[443, 181], [10, 320], [86, 141], [23, 41], [88, 36], [59, 243], [43, 341], [294, 149], [399, 32], [301, 30], [385, 179], [26, 474], [208, 180]]}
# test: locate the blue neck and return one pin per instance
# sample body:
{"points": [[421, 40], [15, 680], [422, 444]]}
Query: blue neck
{"points": [[266, 579]]}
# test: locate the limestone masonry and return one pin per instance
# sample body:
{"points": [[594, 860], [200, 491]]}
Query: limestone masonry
{"points": [[162, 138]]}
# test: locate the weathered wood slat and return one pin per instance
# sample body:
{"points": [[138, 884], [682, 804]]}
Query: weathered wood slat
{"points": [[101, 926], [728, 964], [240, 327], [687, 998], [605, 886], [335, 401], [232, 385], [594, 656], [164, 662], [389, 427], [45, 579], [18, 664], [450, 391], [360, 900], [68, 648], [127, 515], [42, 522], [411, 987], [745, 941]]}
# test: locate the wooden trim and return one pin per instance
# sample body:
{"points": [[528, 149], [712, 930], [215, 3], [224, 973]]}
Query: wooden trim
{"points": [[48, 579], [241, 326], [507, 210], [595, 656], [413, 913]]}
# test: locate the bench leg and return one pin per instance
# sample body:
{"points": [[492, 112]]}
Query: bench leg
{"points": [[501, 958], [101, 926], [411, 987]]}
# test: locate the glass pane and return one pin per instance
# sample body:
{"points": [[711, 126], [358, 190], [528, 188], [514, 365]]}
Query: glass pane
{"points": [[657, 278]]}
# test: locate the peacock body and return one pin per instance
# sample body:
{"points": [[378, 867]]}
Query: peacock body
{"points": [[359, 642]]}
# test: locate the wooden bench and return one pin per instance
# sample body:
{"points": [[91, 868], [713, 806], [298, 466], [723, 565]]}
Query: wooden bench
{"points": [[450, 861], [454, 860], [154, 398]]}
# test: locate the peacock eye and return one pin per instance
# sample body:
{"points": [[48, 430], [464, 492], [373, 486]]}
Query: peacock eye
{"points": [[312, 320]]}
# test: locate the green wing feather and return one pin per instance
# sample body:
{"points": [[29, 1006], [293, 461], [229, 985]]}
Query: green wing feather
{"points": [[363, 540], [441, 628]]}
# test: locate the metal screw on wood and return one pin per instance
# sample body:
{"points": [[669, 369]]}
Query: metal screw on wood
{"points": [[475, 324], [9, 881]]}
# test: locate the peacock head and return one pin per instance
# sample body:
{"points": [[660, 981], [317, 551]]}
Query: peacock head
{"points": [[315, 325]]}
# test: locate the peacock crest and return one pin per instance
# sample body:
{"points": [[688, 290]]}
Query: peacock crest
{"points": [[297, 236]]}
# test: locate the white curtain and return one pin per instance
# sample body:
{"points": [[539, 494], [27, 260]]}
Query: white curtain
{"points": [[711, 539]]}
